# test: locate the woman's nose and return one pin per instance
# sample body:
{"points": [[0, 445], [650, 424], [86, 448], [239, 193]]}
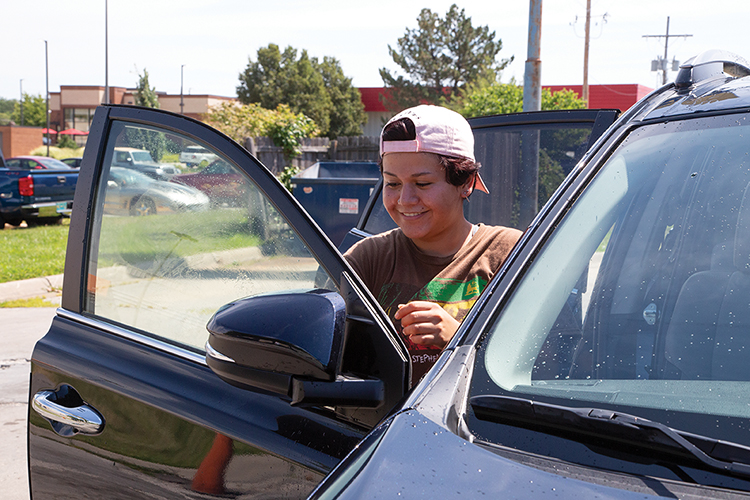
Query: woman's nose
{"points": [[408, 195]]}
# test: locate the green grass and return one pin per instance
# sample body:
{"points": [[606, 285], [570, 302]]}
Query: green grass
{"points": [[32, 252], [59, 153], [32, 302], [155, 238], [40, 251]]}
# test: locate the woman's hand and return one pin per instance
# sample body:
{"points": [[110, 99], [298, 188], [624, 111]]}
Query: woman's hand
{"points": [[426, 323]]}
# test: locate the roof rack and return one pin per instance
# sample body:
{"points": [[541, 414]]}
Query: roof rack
{"points": [[711, 64]]}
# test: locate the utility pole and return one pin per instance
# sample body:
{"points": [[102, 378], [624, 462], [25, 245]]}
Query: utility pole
{"points": [[182, 102], [586, 54], [662, 65], [21, 102], [528, 182], [532, 77]]}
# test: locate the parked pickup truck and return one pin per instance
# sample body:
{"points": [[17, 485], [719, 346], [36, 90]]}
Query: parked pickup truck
{"points": [[141, 160], [35, 196], [192, 156]]}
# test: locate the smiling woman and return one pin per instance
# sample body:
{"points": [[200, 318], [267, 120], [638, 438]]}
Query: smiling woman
{"points": [[428, 273]]}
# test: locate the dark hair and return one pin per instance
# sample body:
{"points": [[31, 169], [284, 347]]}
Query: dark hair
{"points": [[457, 170]]}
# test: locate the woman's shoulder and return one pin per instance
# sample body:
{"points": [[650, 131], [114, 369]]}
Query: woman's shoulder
{"points": [[377, 243], [498, 234]]}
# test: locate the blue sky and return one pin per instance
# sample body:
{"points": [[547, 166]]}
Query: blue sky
{"points": [[214, 39]]}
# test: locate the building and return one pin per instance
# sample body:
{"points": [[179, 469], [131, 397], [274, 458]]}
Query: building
{"points": [[73, 107], [620, 96]]}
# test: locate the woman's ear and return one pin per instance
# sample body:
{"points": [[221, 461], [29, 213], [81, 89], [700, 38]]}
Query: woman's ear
{"points": [[467, 188]]}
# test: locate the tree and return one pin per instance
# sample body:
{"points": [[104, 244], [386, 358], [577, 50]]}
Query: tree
{"points": [[145, 95], [320, 91], [501, 98], [6, 110], [34, 111], [154, 142], [347, 112], [440, 58], [285, 127]]}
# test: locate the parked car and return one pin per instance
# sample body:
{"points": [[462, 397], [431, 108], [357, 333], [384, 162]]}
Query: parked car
{"points": [[130, 192], [606, 359], [35, 163], [220, 181], [193, 156], [142, 161], [73, 162], [35, 195]]}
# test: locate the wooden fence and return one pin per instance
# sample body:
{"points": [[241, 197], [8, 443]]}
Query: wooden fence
{"points": [[360, 148]]}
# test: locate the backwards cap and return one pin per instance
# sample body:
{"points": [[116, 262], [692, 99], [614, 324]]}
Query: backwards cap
{"points": [[438, 130]]}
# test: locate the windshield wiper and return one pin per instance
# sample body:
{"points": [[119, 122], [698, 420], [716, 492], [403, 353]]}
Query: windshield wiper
{"points": [[608, 425]]}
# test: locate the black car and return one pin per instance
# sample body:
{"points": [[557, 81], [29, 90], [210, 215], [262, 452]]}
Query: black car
{"points": [[203, 353], [73, 162]]}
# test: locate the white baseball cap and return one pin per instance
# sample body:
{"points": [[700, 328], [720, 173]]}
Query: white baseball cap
{"points": [[438, 130]]}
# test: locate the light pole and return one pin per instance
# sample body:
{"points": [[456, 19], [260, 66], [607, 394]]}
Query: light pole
{"points": [[21, 102], [182, 101], [46, 72]]}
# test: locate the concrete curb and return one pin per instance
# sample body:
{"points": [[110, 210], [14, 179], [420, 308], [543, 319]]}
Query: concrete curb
{"points": [[49, 287]]}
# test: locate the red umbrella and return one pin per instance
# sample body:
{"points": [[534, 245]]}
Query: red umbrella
{"points": [[48, 131], [72, 131]]}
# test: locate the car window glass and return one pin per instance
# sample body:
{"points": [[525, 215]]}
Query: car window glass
{"points": [[639, 298], [13, 164], [168, 254], [504, 156]]}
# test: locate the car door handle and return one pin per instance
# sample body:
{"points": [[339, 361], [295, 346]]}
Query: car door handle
{"points": [[67, 420]]}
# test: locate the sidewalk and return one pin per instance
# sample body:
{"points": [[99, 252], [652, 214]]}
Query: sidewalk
{"points": [[49, 287]]}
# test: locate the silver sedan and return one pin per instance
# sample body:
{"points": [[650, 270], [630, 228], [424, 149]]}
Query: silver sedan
{"points": [[133, 193]]}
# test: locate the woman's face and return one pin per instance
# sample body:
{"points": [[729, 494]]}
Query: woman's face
{"points": [[420, 200]]}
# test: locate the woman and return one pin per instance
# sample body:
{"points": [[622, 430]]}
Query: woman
{"points": [[428, 273]]}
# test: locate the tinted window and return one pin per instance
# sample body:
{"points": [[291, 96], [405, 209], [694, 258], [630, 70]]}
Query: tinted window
{"points": [[165, 257]]}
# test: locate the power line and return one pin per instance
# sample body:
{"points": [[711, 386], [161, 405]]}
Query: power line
{"points": [[661, 64]]}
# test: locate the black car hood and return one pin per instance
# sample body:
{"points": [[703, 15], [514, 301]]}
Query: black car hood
{"points": [[416, 458]]}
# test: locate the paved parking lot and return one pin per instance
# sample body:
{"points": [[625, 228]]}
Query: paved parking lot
{"points": [[19, 330]]}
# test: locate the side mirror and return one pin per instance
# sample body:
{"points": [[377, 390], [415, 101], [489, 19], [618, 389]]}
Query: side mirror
{"points": [[291, 344]]}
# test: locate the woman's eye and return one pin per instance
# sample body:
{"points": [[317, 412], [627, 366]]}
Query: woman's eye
{"points": [[423, 184], [391, 185]]}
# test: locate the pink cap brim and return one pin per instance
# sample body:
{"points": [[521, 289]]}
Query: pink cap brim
{"points": [[479, 184]]}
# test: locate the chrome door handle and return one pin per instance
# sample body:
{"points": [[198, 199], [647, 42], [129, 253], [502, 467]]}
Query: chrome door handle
{"points": [[67, 421]]}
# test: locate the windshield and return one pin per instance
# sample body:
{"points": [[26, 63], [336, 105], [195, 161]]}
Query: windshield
{"points": [[639, 300], [56, 164], [142, 156]]}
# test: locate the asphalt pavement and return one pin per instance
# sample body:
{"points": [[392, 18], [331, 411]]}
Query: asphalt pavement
{"points": [[20, 328]]}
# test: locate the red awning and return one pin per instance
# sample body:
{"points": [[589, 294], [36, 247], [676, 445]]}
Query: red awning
{"points": [[48, 131], [73, 131]]}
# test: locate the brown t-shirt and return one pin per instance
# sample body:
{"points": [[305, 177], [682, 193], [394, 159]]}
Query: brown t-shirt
{"points": [[397, 272]]}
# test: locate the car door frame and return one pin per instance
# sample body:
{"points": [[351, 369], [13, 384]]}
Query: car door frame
{"points": [[116, 358]]}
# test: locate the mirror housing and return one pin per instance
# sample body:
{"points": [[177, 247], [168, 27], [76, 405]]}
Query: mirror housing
{"points": [[289, 343]]}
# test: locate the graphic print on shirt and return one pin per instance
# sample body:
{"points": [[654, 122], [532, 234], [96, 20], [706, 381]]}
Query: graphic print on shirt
{"points": [[454, 296]]}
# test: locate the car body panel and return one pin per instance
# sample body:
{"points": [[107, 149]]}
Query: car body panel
{"points": [[219, 182]]}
